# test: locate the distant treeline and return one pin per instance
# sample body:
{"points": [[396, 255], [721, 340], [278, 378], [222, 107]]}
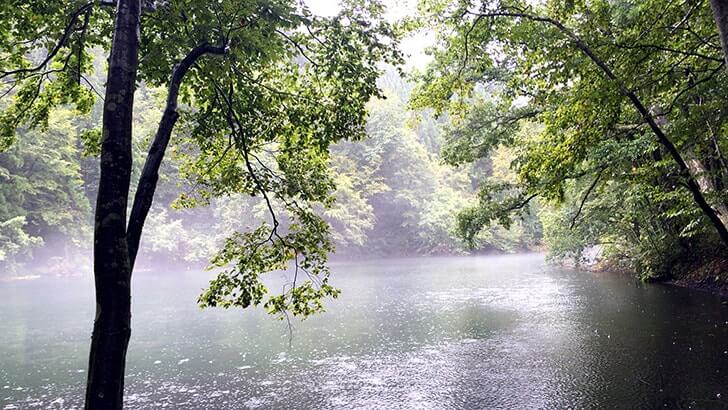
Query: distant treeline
{"points": [[394, 195]]}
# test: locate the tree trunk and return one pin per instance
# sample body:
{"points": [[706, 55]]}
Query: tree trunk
{"points": [[150, 173], [706, 184], [720, 14], [112, 270]]}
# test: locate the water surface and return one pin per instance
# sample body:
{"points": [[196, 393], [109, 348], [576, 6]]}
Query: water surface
{"points": [[420, 333]]}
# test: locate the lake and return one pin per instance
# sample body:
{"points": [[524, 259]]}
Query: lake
{"points": [[410, 333]]}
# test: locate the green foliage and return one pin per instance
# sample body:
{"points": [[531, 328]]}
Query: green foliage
{"points": [[41, 71], [634, 227], [516, 75], [265, 141], [351, 215], [264, 127], [254, 252], [43, 179], [15, 242], [257, 121]]}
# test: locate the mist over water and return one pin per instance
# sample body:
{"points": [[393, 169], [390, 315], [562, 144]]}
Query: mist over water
{"points": [[439, 333]]}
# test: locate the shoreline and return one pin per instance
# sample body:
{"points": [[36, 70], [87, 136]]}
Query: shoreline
{"points": [[705, 285], [708, 275]]}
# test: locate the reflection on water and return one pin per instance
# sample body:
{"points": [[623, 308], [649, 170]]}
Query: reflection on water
{"points": [[439, 333]]}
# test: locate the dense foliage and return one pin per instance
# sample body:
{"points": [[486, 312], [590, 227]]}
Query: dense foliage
{"points": [[528, 117], [261, 90], [393, 195], [614, 111], [267, 88]]}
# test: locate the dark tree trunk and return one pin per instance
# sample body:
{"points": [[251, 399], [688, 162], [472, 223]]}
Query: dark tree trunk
{"points": [[112, 269], [720, 14]]}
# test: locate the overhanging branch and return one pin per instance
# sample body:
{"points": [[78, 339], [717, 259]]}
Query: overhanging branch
{"points": [[585, 197], [150, 174], [577, 42]]}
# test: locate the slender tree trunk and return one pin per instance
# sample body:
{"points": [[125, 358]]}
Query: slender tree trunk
{"points": [[720, 14], [112, 270], [706, 184], [150, 173]]}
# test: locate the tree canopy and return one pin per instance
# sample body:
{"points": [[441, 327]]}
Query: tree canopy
{"points": [[262, 88], [614, 109], [257, 115]]}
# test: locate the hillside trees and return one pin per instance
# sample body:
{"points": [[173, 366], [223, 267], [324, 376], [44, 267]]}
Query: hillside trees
{"points": [[42, 183], [265, 87], [628, 95]]}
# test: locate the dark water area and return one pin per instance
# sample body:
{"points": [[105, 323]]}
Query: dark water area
{"points": [[416, 333]]}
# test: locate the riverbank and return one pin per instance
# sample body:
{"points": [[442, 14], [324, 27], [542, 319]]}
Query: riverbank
{"points": [[708, 274], [701, 271]]}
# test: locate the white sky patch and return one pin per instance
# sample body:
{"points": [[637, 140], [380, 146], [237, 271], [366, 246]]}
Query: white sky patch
{"points": [[325, 8], [413, 46]]}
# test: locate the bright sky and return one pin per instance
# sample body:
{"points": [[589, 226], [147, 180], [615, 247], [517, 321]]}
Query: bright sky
{"points": [[413, 47], [323, 7]]}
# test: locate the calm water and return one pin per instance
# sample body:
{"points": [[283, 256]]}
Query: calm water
{"points": [[428, 333]]}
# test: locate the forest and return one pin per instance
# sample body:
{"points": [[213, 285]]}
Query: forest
{"points": [[394, 195], [247, 137]]}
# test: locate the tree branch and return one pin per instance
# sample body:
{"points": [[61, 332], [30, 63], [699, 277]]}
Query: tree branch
{"points": [[150, 173], [66, 34], [586, 196], [690, 181]]}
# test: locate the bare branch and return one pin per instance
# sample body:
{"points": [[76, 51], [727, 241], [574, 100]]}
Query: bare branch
{"points": [[585, 197]]}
